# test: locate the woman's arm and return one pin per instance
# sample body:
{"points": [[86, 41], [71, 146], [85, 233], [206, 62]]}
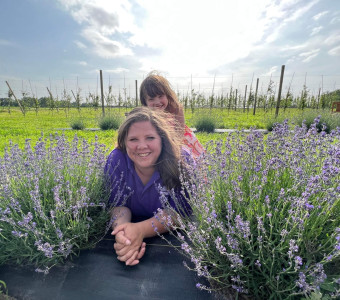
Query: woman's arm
{"points": [[120, 215], [135, 233], [133, 251]]}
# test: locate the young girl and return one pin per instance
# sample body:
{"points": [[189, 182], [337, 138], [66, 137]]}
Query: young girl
{"points": [[155, 92], [145, 159]]}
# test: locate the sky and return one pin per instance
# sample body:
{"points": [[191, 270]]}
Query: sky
{"points": [[205, 45]]}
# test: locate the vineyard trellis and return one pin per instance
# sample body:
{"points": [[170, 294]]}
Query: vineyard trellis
{"points": [[210, 92]]}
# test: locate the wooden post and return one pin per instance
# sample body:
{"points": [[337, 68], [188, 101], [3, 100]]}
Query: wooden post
{"points": [[235, 99], [21, 108], [74, 96], [102, 91], [280, 89], [136, 93], [245, 97], [52, 106], [257, 86]]}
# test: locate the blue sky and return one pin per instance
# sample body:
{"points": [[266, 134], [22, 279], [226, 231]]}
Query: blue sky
{"points": [[63, 43]]}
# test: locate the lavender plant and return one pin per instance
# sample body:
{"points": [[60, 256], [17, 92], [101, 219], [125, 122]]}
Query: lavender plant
{"points": [[52, 200], [266, 214]]}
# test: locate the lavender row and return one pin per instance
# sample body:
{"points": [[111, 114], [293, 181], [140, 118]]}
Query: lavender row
{"points": [[52, 200], [266, 214]]}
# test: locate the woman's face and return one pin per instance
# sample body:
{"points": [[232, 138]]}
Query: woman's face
{"points": [[159, 102], [143, 145]]}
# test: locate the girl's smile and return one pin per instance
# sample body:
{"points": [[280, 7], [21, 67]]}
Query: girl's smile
{"points": [[159, 102]]}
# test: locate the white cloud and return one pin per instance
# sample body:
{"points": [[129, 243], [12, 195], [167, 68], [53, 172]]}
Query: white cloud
{"points": [[191, 36], [104, 46], [5, 43], [83, 63], [290, 60], [334, 51], [270, 72], [316, 30], [239, 24], [308, 56], [333, 38], [96, 16], [335, 20], [80, 45], [319, 15], [102, 21], [296, 47], [298, 12], [117, 70]]}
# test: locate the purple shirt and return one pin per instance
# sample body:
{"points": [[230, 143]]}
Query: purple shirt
{"points": [[128, 190]]}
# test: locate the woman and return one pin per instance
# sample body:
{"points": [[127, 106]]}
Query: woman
{"points": [[142, 170]]}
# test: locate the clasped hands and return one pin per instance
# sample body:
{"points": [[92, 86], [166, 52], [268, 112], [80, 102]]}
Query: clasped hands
{"points": [[129, 245]]}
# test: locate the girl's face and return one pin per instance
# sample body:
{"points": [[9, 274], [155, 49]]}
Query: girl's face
{"points": [[159, 102], [143, 145]]}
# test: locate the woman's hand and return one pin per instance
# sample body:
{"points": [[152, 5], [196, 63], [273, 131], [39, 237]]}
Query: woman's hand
{"points": [[129, 245]]}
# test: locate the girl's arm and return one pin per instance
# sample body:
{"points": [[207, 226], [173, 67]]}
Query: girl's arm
{"points": [[180, 116]]}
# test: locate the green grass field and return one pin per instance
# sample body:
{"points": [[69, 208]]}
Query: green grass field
{"points": [[16, 127]]}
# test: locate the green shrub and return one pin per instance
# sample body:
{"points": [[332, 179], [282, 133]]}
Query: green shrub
{"points": [[265, 215], [270, 122], [52, 204], [110, 122], [77, 124], [331, 121], [206, 123], [324, 120]]}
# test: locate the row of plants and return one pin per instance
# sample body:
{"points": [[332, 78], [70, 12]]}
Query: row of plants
{"points": [[193, 99], [107, 122], [266, 225], [202, 122], [327, 120], [52, 200]]}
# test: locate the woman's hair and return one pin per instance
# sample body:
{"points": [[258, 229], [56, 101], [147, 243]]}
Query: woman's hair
{"points": [[156, 85], [170, 156]]}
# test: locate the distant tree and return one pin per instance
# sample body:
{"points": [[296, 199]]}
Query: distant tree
{"points": [[5, 102], [288, 101], [44, 102], [302, 104]]}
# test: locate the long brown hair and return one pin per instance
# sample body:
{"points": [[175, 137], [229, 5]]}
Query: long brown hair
{"points": [[168, 161], [156, 85]]}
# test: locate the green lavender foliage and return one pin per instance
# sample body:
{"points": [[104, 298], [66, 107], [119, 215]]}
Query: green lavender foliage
{"points": [[52, 200], [265, 214]]}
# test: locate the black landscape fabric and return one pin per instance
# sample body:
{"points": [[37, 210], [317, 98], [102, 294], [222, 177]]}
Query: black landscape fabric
{"points": [[97, 274]]}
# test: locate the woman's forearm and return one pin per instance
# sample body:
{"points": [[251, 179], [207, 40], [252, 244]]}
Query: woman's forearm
{"points": [[120, 215], [154, 225]]}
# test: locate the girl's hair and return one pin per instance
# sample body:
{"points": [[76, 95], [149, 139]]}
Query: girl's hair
{"points": [[156, 85], [170, 157]]}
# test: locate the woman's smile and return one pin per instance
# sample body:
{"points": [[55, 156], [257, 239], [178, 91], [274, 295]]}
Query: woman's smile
{"points": [[143, 145]]}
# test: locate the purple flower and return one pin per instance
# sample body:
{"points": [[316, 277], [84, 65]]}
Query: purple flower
{"points": [[293, 248]]}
